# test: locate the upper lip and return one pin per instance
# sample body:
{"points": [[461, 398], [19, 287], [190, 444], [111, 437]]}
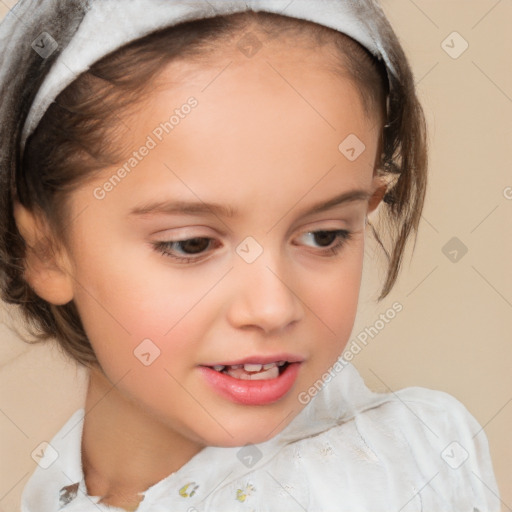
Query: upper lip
{"points": [[261, 359]]}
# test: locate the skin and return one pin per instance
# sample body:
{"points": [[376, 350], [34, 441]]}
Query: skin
{"points": [[254, 144]]}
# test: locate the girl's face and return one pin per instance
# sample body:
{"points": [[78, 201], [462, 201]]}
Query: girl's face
{"points": [[226, 240]]}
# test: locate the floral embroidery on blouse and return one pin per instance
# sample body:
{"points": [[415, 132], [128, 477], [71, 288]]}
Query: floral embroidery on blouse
{"points": [[326, 450], [67, 494], [242, 494], [188, 490]]}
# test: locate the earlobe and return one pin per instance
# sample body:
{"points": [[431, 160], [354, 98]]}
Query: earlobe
{"points": [[46, 270]]}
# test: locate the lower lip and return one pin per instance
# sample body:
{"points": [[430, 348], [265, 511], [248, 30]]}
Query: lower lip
{"points": [[252, 392]]}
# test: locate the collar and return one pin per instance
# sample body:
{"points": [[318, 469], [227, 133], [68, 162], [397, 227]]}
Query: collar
{"points": [[58, 483]]}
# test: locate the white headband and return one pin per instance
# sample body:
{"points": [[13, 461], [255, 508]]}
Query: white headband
{"points": [[105, 25]]}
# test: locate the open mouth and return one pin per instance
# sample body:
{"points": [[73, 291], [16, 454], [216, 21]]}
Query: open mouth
{"points": [[253, 382], [253, 371]]}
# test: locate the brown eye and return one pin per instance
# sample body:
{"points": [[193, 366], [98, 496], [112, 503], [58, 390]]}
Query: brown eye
{"points": [[194, 245], [185, 251], [325, 238], [331, 241]]}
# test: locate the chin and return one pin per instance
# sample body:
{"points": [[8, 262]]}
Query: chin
{"points": [[254, 428]]}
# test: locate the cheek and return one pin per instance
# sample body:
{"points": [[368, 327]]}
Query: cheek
{"points": [[333, 302], [126, 300], [124, 327], [336, 291]]}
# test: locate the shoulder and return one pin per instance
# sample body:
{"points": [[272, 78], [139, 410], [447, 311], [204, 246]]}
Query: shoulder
{"points": [[425, 413], [436, 423], [449, 443], [416, 446]]}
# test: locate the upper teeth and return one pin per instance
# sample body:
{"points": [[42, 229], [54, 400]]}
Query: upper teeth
{"points": [[249, 367], [254, 367]]}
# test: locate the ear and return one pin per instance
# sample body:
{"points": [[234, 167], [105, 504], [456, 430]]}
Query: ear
{"points": [[380, 186], [47, 271]]}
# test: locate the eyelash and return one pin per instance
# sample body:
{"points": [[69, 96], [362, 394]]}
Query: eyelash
{"points": [[343, 236]]}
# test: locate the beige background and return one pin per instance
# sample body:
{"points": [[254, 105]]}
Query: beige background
{"points": [[454, 332]]}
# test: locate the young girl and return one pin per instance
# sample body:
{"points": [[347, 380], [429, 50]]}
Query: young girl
{"points": [[185, 197]]}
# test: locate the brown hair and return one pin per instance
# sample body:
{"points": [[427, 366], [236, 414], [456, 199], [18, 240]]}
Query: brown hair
{"points": [[77, 135]]}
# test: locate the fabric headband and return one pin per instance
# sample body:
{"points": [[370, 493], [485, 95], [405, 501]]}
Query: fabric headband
{"points": [[73, 34]]}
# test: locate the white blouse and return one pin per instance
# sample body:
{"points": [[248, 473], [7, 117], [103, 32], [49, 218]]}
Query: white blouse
{"points": [[349, 450]]}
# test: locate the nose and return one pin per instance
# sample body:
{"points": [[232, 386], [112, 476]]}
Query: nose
{"points": [[264, 296]]}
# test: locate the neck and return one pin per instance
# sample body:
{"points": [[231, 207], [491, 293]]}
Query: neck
{"points": [[126, 450]]}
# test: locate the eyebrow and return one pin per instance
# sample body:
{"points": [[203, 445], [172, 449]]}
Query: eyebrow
{"points": [[219, 210]]}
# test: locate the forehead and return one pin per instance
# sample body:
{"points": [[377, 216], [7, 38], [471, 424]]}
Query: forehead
{"points": [[285, 103], [266, 128]]}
